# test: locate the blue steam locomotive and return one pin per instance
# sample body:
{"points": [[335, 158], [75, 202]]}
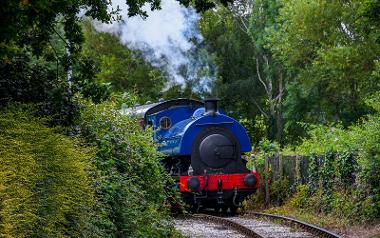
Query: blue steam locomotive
{"points": [[203, 150]]}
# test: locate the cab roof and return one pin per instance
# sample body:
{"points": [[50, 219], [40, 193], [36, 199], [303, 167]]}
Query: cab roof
{"points": [[148, 109]]}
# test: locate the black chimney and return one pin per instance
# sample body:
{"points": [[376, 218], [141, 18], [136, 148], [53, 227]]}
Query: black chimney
{"points": [[211, 105]]}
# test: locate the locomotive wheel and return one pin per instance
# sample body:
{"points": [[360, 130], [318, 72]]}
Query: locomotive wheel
{"points": [[224, 209], [233, 209], [195, 207], [216, 150]]}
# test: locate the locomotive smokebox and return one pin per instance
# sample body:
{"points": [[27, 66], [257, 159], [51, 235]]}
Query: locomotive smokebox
{"points": [[211, 105]]}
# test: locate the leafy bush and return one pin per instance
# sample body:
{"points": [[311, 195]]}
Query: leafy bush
{"points": [[133, 185], [368, 141], [45, 183], [301, 197], [279, 191], [268, 147]]}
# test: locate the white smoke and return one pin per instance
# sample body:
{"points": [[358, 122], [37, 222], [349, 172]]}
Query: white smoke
{"points": [[164, 36]]}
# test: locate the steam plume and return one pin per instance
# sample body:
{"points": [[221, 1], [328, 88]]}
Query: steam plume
{"points": [[164, 36]]}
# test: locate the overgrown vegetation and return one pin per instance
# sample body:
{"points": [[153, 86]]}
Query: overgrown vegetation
{"points": [[342, 173], [344, 169], [107, 185], [46, 180], [133, 182]]}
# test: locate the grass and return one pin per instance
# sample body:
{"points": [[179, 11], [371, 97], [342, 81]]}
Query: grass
{"points": [[328, 221], [339, 225]]}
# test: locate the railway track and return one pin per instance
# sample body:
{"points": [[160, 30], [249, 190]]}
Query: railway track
{"points": [[228, 223], [247, 227], [315, 230]]}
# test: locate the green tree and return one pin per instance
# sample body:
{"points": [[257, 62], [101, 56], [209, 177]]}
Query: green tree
{"points": [[31, 23], [232, 50], [250, 81], [270, 72], [40, 44], [43, 80], [124, 69], [332, 49]]}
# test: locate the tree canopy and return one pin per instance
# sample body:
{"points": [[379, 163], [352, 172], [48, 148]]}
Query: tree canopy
{"points": [[295, 62]]}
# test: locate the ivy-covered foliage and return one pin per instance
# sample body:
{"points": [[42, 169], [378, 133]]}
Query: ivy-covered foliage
{"points": [[344, 169], [337, 171], [45, 180], [133, 184]]}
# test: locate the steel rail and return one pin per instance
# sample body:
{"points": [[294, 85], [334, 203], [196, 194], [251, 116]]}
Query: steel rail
{"points": [[315, 230], [219, 220]]}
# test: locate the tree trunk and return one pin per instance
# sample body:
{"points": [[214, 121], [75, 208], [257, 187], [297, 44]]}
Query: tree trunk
{"points": [[276, 123], [279, 120]]}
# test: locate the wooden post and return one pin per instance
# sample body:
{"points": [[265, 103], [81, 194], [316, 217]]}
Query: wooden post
{"points": [[280, 166], [298, 169], [267, 198]]}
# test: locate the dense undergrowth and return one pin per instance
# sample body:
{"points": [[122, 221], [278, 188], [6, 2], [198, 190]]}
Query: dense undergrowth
{"points": [[105, 182], [343, 179], [45, 180], [133, 182]]}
